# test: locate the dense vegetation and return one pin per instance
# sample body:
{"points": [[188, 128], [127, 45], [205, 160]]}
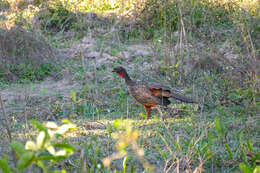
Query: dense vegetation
{"points": [[56, 62]]}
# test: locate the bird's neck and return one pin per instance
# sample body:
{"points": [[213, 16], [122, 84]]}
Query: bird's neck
{"points": [[125, 76]]}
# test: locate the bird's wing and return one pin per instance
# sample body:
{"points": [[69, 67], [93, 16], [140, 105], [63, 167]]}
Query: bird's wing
{"points": [[159, 90], [158, 86]]}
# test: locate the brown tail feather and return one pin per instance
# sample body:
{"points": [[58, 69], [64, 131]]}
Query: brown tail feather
{"points": [[182, 98]]}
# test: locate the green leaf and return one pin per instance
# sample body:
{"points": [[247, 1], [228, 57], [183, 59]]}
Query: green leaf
{"points": [[45, 156], [30, 145], [218, 126], [207, 76], [25, 160], [177, 64], [257, 169], [124, 164], [211, 138], [233, 95], [65, 121], [71, 126], [163, 154], [177, 146], [143, 115], [38, 125], [40, 141], [132, 169], [73, 95], [244, 168], [18, 147], [60, 171], [61, 153], [51, 125], [4, 166], [51, 150], [41, 165], [66, 147], [117, 123], [229, 151], [241, 138], [249, 145], [63, 129]]}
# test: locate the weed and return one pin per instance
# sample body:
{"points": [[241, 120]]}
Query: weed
{"points": [[42, 152]]}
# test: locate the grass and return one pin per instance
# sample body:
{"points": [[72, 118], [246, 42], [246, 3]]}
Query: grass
{"points": [[186, 140], [220, 134]]}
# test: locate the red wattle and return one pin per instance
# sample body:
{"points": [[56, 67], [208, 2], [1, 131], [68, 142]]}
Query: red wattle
{"points": [[121, 75]]}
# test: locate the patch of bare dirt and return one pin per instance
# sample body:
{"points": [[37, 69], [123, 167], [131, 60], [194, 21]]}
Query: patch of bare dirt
{"points": [[86, 49]]}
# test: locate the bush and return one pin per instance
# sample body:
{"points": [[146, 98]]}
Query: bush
{"points": [[4, 5], [156, 15], [23, 55], [56, 18]]}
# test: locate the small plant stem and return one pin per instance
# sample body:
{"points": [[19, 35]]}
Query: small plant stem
{"points": [[7, 128], [6, 119]]}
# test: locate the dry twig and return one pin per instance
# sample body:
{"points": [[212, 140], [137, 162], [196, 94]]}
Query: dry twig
{"points": [[7, 128]]}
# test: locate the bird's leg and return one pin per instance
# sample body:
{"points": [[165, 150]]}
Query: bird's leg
{"points": [[148, 111]]}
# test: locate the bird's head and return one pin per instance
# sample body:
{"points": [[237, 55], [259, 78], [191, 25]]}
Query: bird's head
{"points": [[120, 71]]}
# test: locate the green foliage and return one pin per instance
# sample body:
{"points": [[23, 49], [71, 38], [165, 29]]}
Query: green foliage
{"points": [[249, 158], [4, 165], [157, 15], [93, 153], [257, 169], [126, 136], [124, 164], [218, 126], [27, 71], [80, 107], [18, 148], [229, 151], [56, 18], [25, 160], [73, 96], [4, 4], [45, 150], [244, 168]]}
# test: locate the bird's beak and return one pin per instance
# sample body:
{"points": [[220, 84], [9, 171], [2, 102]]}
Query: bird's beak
{"points": [[113, 71]]}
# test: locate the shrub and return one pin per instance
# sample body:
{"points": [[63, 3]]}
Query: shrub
{"points": [[24, 55], [44, 151], [56, 18]]}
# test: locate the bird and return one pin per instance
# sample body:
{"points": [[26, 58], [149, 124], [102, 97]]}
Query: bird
{"points": [[149, 94]]}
